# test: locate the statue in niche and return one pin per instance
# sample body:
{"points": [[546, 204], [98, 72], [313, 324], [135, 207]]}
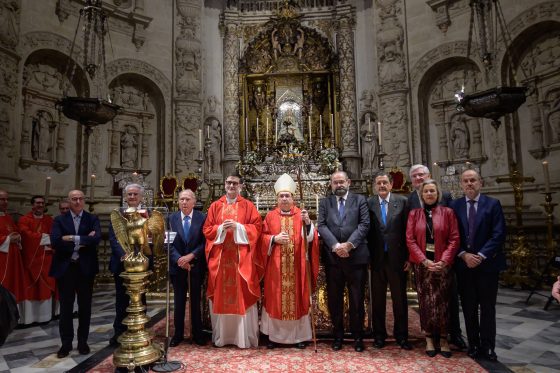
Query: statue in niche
{"points": [[40, 137], [459, 136], [298, 47], [214, 146], [369, 149], [8, 25], [129, 146]]}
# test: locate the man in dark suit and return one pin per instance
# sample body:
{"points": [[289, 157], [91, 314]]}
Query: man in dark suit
{"points": [[480, 260], [418, 173], [134, 193], [387, 245], [74, 238], [343, 224], [187, 265]]}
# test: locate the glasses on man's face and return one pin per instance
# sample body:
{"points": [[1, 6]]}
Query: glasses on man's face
{"points": [[234, 183], [76, 199]]}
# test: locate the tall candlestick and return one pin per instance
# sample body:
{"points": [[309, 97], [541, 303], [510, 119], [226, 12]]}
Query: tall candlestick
{"points": [[247, 132], [379, 132], [47, 188], [266, 131], [276, 132], [546, 177], [321, 128], [332, 127], [92, 188], [257, 203], [310, 137], [257, 131], [199, 139]]}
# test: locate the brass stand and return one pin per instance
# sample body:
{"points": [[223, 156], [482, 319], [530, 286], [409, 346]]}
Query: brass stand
{"points": [[549, 209], [136, 347], [521, 258]]}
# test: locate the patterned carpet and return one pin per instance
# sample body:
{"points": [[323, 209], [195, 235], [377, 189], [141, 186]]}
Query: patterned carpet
{"points": [[389, 359]]}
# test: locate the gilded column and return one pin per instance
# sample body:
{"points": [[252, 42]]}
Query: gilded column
{"points": [[348, 122], [229, 29]]}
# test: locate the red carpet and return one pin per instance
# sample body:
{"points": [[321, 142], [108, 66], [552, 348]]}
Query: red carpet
{"points": [[389, 359]]}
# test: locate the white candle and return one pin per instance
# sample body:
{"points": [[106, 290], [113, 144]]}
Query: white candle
{"points": [[317, 203], [257, 131], [276, 132], [310, 138], [546, 177], [267, 131], [247, 132], [379, 132], [199, 139], [321, 128], [332, 127], [208, 132], [435, 171], [369, 124], [47, 188], [257, 203], [92, 188]]}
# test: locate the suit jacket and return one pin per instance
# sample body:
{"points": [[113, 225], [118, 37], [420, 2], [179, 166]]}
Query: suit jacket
{"points": [[353, 227], [194, 243], [64, 225], [490, 233], [393, 233], [414, 200]]}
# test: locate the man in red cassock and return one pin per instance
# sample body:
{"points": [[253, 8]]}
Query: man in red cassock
{"points": [[290, 248], [232, 229], [35, 228], [12, 274]]}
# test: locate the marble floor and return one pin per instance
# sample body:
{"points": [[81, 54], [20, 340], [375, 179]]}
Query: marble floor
{"points": [[528, 338]]}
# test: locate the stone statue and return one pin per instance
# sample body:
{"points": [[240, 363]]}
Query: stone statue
{"points": [[369, 145], [40, 137], [129, 152], [298, 47], [460, 138], [276, 48], [214, 146]]}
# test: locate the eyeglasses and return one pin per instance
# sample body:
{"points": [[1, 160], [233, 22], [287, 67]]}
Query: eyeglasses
{"points": [[76, 199], [234, 183]]}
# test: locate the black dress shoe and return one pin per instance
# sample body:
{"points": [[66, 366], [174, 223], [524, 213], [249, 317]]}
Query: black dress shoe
{"points": [[200, 341], [458, 341], [337, 344], [359, 345], [301, 345], [490, 354], [83, 348], [446, 354], [175, 341], [473, 352], [63, 352], [270, 345], [405, 345], [378, 343], [431, 353]]}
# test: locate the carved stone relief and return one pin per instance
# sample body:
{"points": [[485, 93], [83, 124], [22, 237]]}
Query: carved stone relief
{"points": [[188, 51], [231, 91], [6, 135], [394, 137], [9, 23], [8, 79], [187, 120]]}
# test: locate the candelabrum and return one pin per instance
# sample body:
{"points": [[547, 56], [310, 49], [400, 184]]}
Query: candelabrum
{"points": [[549, 209], [380, 155]]}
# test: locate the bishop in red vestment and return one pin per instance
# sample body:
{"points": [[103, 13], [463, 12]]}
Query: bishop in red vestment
{"points": [[35, 228], [232, 230], [290, 248]]}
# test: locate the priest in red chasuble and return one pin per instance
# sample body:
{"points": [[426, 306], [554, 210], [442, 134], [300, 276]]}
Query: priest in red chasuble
{"points": [[232, 229], [12, 275], [288, 240], [35, 228]]}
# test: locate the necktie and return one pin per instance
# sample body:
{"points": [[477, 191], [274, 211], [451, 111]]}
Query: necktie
{"points": [[384, 218], [76, 223], [472, 222], [186, 226], [75, 254], [341, 208]]}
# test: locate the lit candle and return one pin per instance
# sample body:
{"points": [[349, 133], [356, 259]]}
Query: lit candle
{"points": [[47, 188], [317, 203], [199, 139], [321, 128], [546, 177], [267, 131], [435, 171], [92, 188], [257, 131], [379, 132]]}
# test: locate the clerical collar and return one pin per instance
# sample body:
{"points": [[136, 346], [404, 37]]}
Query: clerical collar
{"points": [[289, 212], [230, 201]]}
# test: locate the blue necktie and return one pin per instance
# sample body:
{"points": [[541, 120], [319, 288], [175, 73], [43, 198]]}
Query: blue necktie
{"points": [[472, 224], [186, 226], [384, 218], [341, 208]]}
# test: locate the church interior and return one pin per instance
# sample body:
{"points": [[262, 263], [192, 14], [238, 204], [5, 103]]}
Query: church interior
{"points": [[179, 94]]}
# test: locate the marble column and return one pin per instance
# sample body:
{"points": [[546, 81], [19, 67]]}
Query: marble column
{"points": [[348, 122], [229, 30]]}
